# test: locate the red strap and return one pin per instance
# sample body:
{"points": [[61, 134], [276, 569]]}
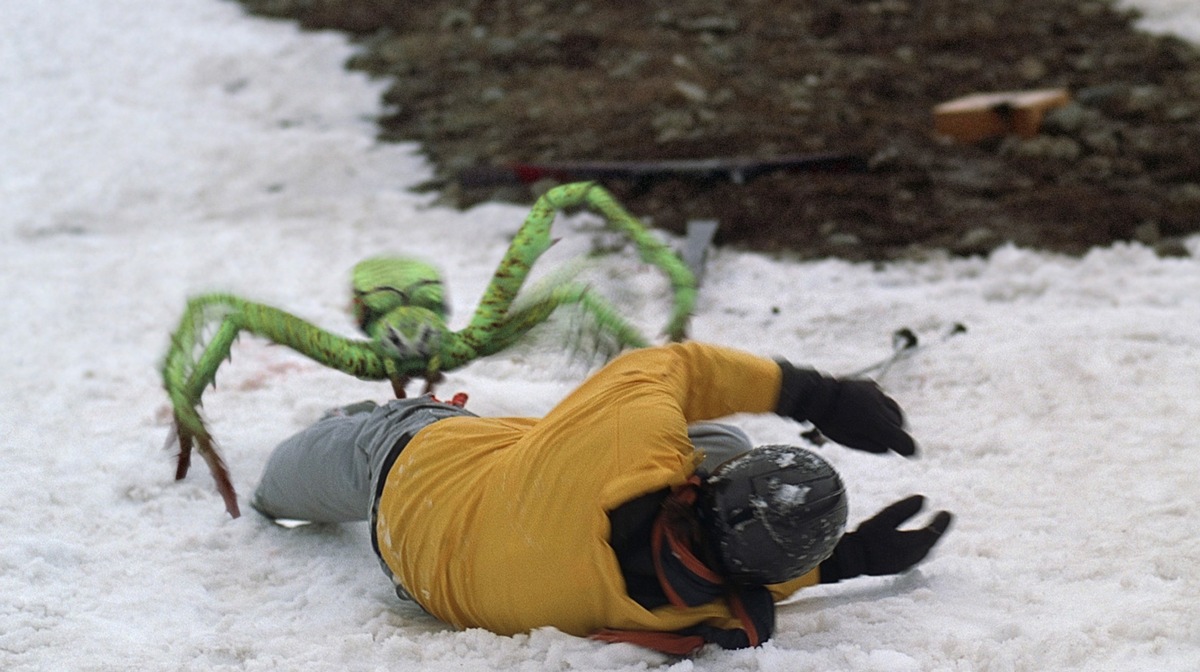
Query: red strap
{"points": [[685, 494], [666, 537], [666, 642], [459, 399], [739, 609], [662, 532]]}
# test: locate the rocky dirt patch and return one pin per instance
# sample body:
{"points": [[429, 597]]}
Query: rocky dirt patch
{"points": [[486, 83]]}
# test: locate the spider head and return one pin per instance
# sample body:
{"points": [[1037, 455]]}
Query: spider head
{"points": [[409, 333], [382, 284]]}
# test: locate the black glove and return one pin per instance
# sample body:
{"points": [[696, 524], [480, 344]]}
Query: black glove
{"points": [[878, 547], [854, 413]]}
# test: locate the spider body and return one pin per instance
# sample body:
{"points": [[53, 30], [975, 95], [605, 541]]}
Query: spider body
{"points": [[399, 304]]}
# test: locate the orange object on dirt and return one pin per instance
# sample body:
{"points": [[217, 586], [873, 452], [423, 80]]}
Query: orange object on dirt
{"points": [[987, 115]]}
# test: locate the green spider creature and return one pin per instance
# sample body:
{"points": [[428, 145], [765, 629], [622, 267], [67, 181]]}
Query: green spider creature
{"points": [[399, 304]]}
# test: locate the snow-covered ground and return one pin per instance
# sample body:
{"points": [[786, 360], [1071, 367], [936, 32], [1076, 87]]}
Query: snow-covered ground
{"points": [[154, 149]]}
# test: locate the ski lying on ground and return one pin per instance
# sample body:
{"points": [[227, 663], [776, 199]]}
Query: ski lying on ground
{"points": [[734, 169]]}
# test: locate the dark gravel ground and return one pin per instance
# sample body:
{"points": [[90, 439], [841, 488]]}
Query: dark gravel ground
{"points": [[485, 83]]}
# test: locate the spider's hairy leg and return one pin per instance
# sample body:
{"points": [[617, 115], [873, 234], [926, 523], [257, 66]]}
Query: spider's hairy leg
{"points": [[186, 376], [529, 243], [605, 323], [533, 239], [651, 250], [180, 375]]}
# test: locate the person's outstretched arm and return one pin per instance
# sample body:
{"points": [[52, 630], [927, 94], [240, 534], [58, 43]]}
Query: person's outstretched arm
{"points": [[852, 412], [707, 382], [879, 547]]}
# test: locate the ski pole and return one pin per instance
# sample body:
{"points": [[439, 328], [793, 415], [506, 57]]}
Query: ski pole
{"points": [[905, 344]]}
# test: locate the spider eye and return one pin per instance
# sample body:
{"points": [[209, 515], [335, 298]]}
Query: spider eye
{"points": [[430, 339], [423, 342]]}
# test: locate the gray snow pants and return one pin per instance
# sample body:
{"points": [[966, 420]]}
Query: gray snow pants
{"points": [[329, 472]]}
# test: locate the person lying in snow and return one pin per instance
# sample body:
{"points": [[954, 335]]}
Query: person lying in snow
{"points": [[622, 514]]}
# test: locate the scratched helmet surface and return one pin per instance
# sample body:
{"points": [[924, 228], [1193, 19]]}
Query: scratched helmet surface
{"points": [[773, 513]]}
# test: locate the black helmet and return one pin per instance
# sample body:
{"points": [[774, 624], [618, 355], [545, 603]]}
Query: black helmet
{"points": [[772, 513]]}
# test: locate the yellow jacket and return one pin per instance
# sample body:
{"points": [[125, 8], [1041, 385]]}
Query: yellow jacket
{"points": [[501, 523]]}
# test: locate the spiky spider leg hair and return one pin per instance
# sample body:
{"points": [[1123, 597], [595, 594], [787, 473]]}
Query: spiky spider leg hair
{"points": [[185, 377], [538, 308], [496, 324], [651, 250]]}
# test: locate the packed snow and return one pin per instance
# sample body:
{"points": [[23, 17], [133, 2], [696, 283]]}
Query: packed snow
{"points": [[152, 150]]}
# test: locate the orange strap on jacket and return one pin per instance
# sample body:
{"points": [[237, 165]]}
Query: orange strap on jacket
{"points": [[680, 571]]}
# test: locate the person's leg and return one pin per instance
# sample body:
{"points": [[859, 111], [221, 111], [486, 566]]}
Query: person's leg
{"points": [[328, 473], [718, 441], [319, 474]]}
